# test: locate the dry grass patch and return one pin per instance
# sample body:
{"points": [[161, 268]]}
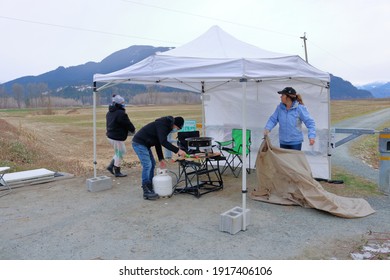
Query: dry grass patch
{"points": [[64, 141], [345, 109], [366, 148]]}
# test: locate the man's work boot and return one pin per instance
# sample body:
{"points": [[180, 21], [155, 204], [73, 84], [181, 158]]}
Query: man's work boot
{"points": [[149, 193]]}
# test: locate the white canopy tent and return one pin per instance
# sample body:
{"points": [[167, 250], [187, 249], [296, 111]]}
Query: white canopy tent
{"points": [[238, 83]]}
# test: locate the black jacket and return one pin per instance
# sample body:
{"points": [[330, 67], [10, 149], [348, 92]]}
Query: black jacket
{"points": [[118, 123], [155, 134]]}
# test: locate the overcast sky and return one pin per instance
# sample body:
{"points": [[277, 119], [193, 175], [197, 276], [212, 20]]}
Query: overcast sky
{"points": [[348, 38]]}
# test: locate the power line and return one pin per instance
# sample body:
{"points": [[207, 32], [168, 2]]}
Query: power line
{"points": [[165, 41], [242, 25], [207, 17], [342, 61], [145, 38], [83, 29]]}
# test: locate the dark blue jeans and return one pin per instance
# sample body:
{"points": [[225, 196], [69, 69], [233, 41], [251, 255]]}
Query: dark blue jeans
{"points": [[147, 160], [297, 147]]}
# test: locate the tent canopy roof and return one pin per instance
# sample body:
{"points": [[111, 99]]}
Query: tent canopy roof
{"points": [[213, 57]]}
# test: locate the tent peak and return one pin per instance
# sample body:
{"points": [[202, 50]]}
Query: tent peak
{"points": [[216, 43]]}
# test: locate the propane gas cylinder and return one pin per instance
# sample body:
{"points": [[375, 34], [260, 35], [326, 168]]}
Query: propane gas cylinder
{"points": [[162, 183]]}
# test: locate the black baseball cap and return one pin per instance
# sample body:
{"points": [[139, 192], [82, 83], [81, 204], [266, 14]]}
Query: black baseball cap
{"points": [[288, 90]]}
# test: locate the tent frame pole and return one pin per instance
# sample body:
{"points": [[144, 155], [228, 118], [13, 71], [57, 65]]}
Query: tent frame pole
{"points": [[203, 112], [94, 130], [244, 160], [327, 88]]}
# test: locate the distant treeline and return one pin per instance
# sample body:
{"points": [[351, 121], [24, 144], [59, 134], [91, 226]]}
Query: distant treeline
{"points": [[39, 95]]}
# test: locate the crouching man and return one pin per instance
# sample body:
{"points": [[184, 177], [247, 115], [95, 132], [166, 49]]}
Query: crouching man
{"points": [[155, 134]]}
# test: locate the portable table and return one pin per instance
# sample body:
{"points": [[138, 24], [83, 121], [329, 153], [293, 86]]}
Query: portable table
{"points": [[199, 174]]}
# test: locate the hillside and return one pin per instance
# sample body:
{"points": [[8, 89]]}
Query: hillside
{"points": [[76, 81], [341, 90], [82, 74], [378, 89]]}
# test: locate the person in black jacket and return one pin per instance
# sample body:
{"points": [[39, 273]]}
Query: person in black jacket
{"points": [[118, 127], [155, 134]]}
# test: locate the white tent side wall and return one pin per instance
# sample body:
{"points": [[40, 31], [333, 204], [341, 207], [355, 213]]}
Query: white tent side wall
{"points": [[223, 111]]}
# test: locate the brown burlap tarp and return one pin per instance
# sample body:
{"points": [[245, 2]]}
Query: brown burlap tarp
{"points": [[284, 177]]}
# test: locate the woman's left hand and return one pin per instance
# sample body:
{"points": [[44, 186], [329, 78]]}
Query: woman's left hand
{"points": [[311, 140]]}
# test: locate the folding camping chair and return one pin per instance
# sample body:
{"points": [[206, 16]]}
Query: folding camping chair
{"points": [[234, 149]]}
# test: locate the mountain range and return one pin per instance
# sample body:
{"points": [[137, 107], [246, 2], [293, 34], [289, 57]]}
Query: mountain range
{"points": [[378, 89], [79, 78], [82, 74]]}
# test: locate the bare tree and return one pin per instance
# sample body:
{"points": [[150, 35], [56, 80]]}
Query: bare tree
{"points": [[18, 91], [3, 98], [160, 98], [37, 95]]}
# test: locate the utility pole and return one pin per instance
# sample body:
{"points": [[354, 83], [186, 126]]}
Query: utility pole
{"points": [[304, 43]]}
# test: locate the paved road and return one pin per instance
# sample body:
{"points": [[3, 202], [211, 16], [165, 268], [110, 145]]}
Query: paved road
{"points": [[341, 156]]}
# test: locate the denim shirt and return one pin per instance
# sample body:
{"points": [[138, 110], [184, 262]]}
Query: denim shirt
{"points": [[290, 123]]}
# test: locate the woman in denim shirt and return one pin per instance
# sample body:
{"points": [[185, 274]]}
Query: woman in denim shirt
{"points": [[290, 114]]}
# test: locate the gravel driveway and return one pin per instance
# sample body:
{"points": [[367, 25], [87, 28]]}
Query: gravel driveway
{"points": [[62, 220]]}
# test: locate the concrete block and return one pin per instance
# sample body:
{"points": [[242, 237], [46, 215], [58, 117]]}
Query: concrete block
{"points": [[232, 220], [248, 214], [98, 184]]}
